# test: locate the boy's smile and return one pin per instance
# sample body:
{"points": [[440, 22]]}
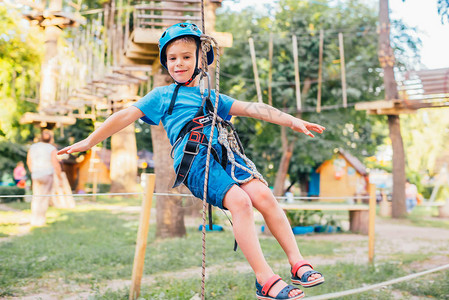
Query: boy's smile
{"points": [[181, 60]]}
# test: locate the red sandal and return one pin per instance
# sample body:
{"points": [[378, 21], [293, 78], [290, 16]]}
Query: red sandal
{"points": [[262, 291], [303, 281]]}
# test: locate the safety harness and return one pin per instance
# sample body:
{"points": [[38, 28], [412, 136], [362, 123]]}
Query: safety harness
{"points": [[227, 138]]}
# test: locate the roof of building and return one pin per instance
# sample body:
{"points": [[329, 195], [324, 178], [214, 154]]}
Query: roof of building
{"points": [[354, 161]]}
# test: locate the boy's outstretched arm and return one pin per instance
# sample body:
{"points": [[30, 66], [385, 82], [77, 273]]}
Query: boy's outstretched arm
{"points": [[113, 124], [270, 114]]}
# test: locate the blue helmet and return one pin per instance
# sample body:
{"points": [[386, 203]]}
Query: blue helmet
{"points": [[176, 31]]}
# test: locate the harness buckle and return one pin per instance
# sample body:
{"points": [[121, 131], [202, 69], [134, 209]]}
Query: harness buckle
{"points": [[191, 148]]}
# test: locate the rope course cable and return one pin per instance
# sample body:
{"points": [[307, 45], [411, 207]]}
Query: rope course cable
{"points": [[174, 195], [377, 285]]}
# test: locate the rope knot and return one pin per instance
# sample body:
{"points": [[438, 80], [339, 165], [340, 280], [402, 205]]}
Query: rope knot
{"points": [[206, 42]]}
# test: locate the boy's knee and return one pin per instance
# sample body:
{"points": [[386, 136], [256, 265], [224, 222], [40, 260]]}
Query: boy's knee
{"points": [[239, 201], [266, 199]]}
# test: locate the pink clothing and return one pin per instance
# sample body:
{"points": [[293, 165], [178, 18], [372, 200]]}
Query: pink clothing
{"points": [[19, 173]]}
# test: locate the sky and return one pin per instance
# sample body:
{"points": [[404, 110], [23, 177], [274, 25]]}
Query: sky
{"points": [[421, 14]]}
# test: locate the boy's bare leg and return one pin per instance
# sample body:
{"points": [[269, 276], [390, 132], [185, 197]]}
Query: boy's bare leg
{"points": [[263, 200], [239, 204]]}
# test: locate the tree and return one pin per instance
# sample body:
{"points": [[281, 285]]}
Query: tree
{"points": [[345, 127], [426, 137], [20, 54]]}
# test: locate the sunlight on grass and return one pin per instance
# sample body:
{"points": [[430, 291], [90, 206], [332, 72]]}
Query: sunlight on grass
{"points": [[427, 217], [92, 244]]}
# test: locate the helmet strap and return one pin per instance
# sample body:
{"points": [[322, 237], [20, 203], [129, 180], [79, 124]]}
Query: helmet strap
{"points": [[179, 84]]}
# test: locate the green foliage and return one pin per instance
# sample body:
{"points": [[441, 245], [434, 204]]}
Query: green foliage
{"points": [[20, 57], [345, 128], [101, 187], [11, 190], [304, 217], [143, 136], [10, 154], [424, 139], [76, 132]]}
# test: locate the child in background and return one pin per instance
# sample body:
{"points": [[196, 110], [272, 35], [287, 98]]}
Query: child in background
{"points": [[19, 172], [178, 104]]}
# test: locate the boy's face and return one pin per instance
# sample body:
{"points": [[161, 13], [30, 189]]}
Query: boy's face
{"points": [[181, 60]]}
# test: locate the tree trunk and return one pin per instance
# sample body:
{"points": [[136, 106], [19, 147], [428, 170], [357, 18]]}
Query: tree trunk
{"points": [[386, 58], [123, 147], [287, 148], [170, 212], [281, 175], [49, 69], [398, 205], [124, 161]]}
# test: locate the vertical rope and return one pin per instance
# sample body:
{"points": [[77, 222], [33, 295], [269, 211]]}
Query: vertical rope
{"points": [[206, 176], [203, 26], [205, 45]]}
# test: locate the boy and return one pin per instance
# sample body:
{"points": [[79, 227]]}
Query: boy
{"points": [[179, 49]]}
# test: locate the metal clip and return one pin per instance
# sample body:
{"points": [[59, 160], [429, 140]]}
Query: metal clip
{"points": [[205, 74]]}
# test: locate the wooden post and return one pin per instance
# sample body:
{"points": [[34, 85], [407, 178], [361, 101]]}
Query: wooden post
{"points": [[343, 69], [270, 70], [142, 234], [256, 74], [387, 59], [320, 72], [297, 80], [371, 221]]}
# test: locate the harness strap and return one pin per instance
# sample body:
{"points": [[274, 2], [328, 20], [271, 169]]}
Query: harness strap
{"points": [[173, 99], [191, 149]]}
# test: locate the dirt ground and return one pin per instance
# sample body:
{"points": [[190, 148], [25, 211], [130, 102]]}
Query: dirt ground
{"points": [[393, 239]]}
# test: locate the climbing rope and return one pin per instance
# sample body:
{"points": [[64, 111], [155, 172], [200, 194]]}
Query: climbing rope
{"points": [[377, 285], [231, 143], [227, 138], [205, 45]]}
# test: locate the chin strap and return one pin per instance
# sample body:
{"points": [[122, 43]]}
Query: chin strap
{"points": [[179, 84]]}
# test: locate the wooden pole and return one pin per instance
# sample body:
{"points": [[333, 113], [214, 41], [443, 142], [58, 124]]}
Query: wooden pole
{"points": [[320, 72], [371, 221], [126, 36], [387, 61], [142, 234], [256, 74], [297, 80], [270, 70], [343, 69]]}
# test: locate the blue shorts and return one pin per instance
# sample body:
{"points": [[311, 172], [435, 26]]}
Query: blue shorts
{"points": [[220, 180]]}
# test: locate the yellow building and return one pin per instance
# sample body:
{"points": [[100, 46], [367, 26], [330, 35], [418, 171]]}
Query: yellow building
{"points": [[342, 177]]}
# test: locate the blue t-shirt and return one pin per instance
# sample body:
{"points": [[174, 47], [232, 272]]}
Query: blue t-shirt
{"points": [[155, 106]]}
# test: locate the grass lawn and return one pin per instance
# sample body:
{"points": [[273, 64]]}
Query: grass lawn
{"points": [[94, 244]]}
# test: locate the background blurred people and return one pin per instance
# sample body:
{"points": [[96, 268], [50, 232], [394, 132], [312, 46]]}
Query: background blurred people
{"points": [[19, 172], [42, 163], [411, 194]]}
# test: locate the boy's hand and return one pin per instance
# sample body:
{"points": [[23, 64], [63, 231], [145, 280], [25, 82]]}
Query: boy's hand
{"points": [[77, 147], [305, 127]]}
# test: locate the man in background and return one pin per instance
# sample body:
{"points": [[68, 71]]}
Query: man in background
{"points": [[42, 163], [411, 194]]}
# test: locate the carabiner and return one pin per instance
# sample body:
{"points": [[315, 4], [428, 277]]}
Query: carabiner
{"points": [[205, 74]]}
